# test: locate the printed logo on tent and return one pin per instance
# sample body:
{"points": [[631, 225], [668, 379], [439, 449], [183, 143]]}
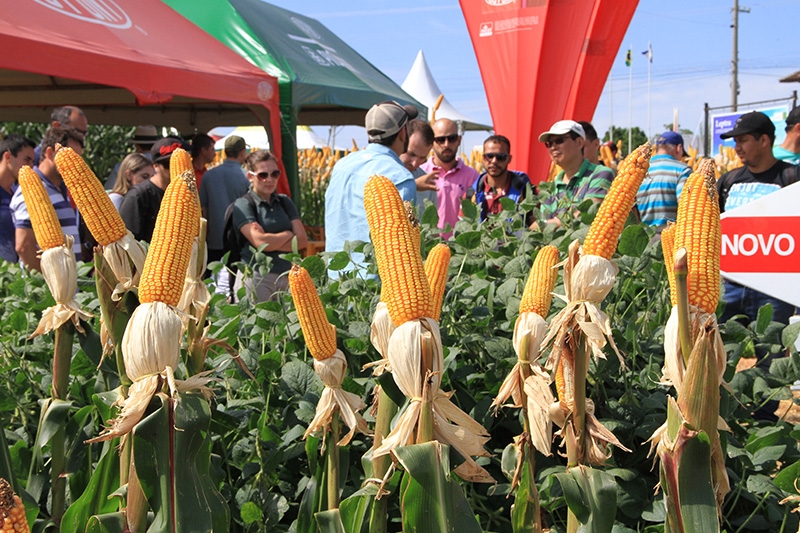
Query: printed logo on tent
{"points": [[306, 28], [486, 29], [265, 91], [105, 12]]}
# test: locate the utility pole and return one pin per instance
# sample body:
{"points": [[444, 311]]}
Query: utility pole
{"points": [[735, 61]]}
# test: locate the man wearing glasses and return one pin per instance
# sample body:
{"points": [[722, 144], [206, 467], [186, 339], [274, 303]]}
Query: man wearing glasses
{"points": [[579, 179], [497, 181], [345, 218], [455, 177], [65, 117]]}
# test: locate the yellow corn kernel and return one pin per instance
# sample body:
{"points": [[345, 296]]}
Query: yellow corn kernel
{"points": [[610, 220], [176, 227], [12, 510], [436, 271], [560, 385], [179, 162], [538, 293], [44, 220], [320, 334], [698, 231], [406, 290], [93, 203], [668, 248]]}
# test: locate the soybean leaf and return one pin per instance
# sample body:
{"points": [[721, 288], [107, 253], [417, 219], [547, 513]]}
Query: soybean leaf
{"points": [[633, 241], [339, 261], [469, 239], [764, 318]]}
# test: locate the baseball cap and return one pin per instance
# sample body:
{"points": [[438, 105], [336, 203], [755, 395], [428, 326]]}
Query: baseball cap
{"points": [[671, 137], [562, 127], [793, 117], [754, 122], [162, 149], [387, 118], [234, 143], [144, 135]]}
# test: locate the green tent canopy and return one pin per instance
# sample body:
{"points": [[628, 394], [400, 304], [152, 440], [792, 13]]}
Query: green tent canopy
{"points": [[322, 80]]}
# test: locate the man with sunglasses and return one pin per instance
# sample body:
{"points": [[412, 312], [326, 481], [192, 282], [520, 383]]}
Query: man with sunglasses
{"points": [[454, 176], [789, 149], [579, 179], [345, 218], [497, 181]]}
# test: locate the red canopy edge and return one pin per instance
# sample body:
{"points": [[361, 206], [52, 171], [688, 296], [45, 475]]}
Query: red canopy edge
{"points": [[138, 64]]}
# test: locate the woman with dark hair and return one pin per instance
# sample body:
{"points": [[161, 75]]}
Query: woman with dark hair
{"points": [[266, 218], [133, 170]]}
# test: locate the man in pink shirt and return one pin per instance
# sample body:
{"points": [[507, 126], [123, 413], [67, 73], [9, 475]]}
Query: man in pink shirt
{"points": [[454, 176]]}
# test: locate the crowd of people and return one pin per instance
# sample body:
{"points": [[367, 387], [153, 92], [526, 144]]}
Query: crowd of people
{"points": [[136, 187], [421, 159], [399, 144]]}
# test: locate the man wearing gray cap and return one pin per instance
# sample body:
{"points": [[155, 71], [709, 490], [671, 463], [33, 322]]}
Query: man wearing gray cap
{"points": [[345, 218]]}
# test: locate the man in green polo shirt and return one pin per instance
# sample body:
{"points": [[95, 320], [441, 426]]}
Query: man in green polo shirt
{"points": [[579, 179]]}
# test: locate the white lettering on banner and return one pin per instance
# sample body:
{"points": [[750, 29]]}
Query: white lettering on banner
{"points": [[499, 2], [105, 12], [748, 244], [515, 22]]}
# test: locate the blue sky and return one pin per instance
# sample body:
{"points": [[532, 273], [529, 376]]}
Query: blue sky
{"points": [[691, 41]]}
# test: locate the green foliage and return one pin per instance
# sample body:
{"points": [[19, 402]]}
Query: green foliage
{"points": [[638, 136], [262, 467]]}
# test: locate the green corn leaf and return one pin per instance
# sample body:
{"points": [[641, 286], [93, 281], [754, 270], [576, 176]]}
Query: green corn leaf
{"points": [[591, 495], [95, 499], [329, 522], [175, 478], [698, 504], [107, 523], [353, 510], [431, 500], [525, 511]]}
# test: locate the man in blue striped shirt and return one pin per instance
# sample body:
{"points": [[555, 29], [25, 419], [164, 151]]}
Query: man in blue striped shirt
{"points": [[657, 198], [56, 189]]}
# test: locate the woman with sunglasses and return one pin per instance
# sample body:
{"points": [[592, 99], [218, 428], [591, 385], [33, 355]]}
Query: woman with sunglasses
{"points": [[266, 218]]}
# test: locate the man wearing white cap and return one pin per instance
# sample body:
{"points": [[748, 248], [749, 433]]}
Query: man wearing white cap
{"points": [[345, 218], [579, 179]]}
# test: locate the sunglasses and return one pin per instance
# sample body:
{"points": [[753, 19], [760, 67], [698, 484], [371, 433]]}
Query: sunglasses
{"points": [[275, 174], [449, 138], [498, 156], [556, 141]]}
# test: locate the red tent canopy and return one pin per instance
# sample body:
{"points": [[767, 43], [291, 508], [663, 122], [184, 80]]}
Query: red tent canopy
{"points": [[135, 63]]}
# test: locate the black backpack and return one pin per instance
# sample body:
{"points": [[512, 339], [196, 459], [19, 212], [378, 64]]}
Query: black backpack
{"points": [[232, 238]]}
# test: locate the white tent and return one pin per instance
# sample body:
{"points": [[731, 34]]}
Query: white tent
{"points": [[256, 137], [420, 84]]}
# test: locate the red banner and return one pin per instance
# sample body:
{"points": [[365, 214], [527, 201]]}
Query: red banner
{"points": [[760, 244], [529, 52]]}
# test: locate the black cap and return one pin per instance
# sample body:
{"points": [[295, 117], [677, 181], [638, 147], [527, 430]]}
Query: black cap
{"points": [[793, 117], [163, 148], [755, 123]]}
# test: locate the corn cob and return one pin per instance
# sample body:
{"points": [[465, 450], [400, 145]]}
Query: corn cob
{"points": [[436, 271], [538, 291], [406, 290], [95, 206], [177, 225], [698, 231], [668, 248], [179, 162], [12, 511], [44, 220], [610, 220], [320, 334]]}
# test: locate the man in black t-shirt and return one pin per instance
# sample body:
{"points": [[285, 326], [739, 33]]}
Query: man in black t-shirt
{"points": [[761, 174]]}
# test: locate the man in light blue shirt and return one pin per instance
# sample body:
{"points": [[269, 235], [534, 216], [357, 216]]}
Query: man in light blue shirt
{"points": [[345, 218]]}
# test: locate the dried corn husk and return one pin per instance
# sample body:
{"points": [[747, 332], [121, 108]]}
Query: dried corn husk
{"points": [[60, 273], [195, 293], [380, 332], [126, 259], [451, 425], [151, 349], [332, 371]]}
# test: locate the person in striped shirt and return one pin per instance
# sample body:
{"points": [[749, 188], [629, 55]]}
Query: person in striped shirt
{"points": [[579, 179], [657, 198], [56, 188]]}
